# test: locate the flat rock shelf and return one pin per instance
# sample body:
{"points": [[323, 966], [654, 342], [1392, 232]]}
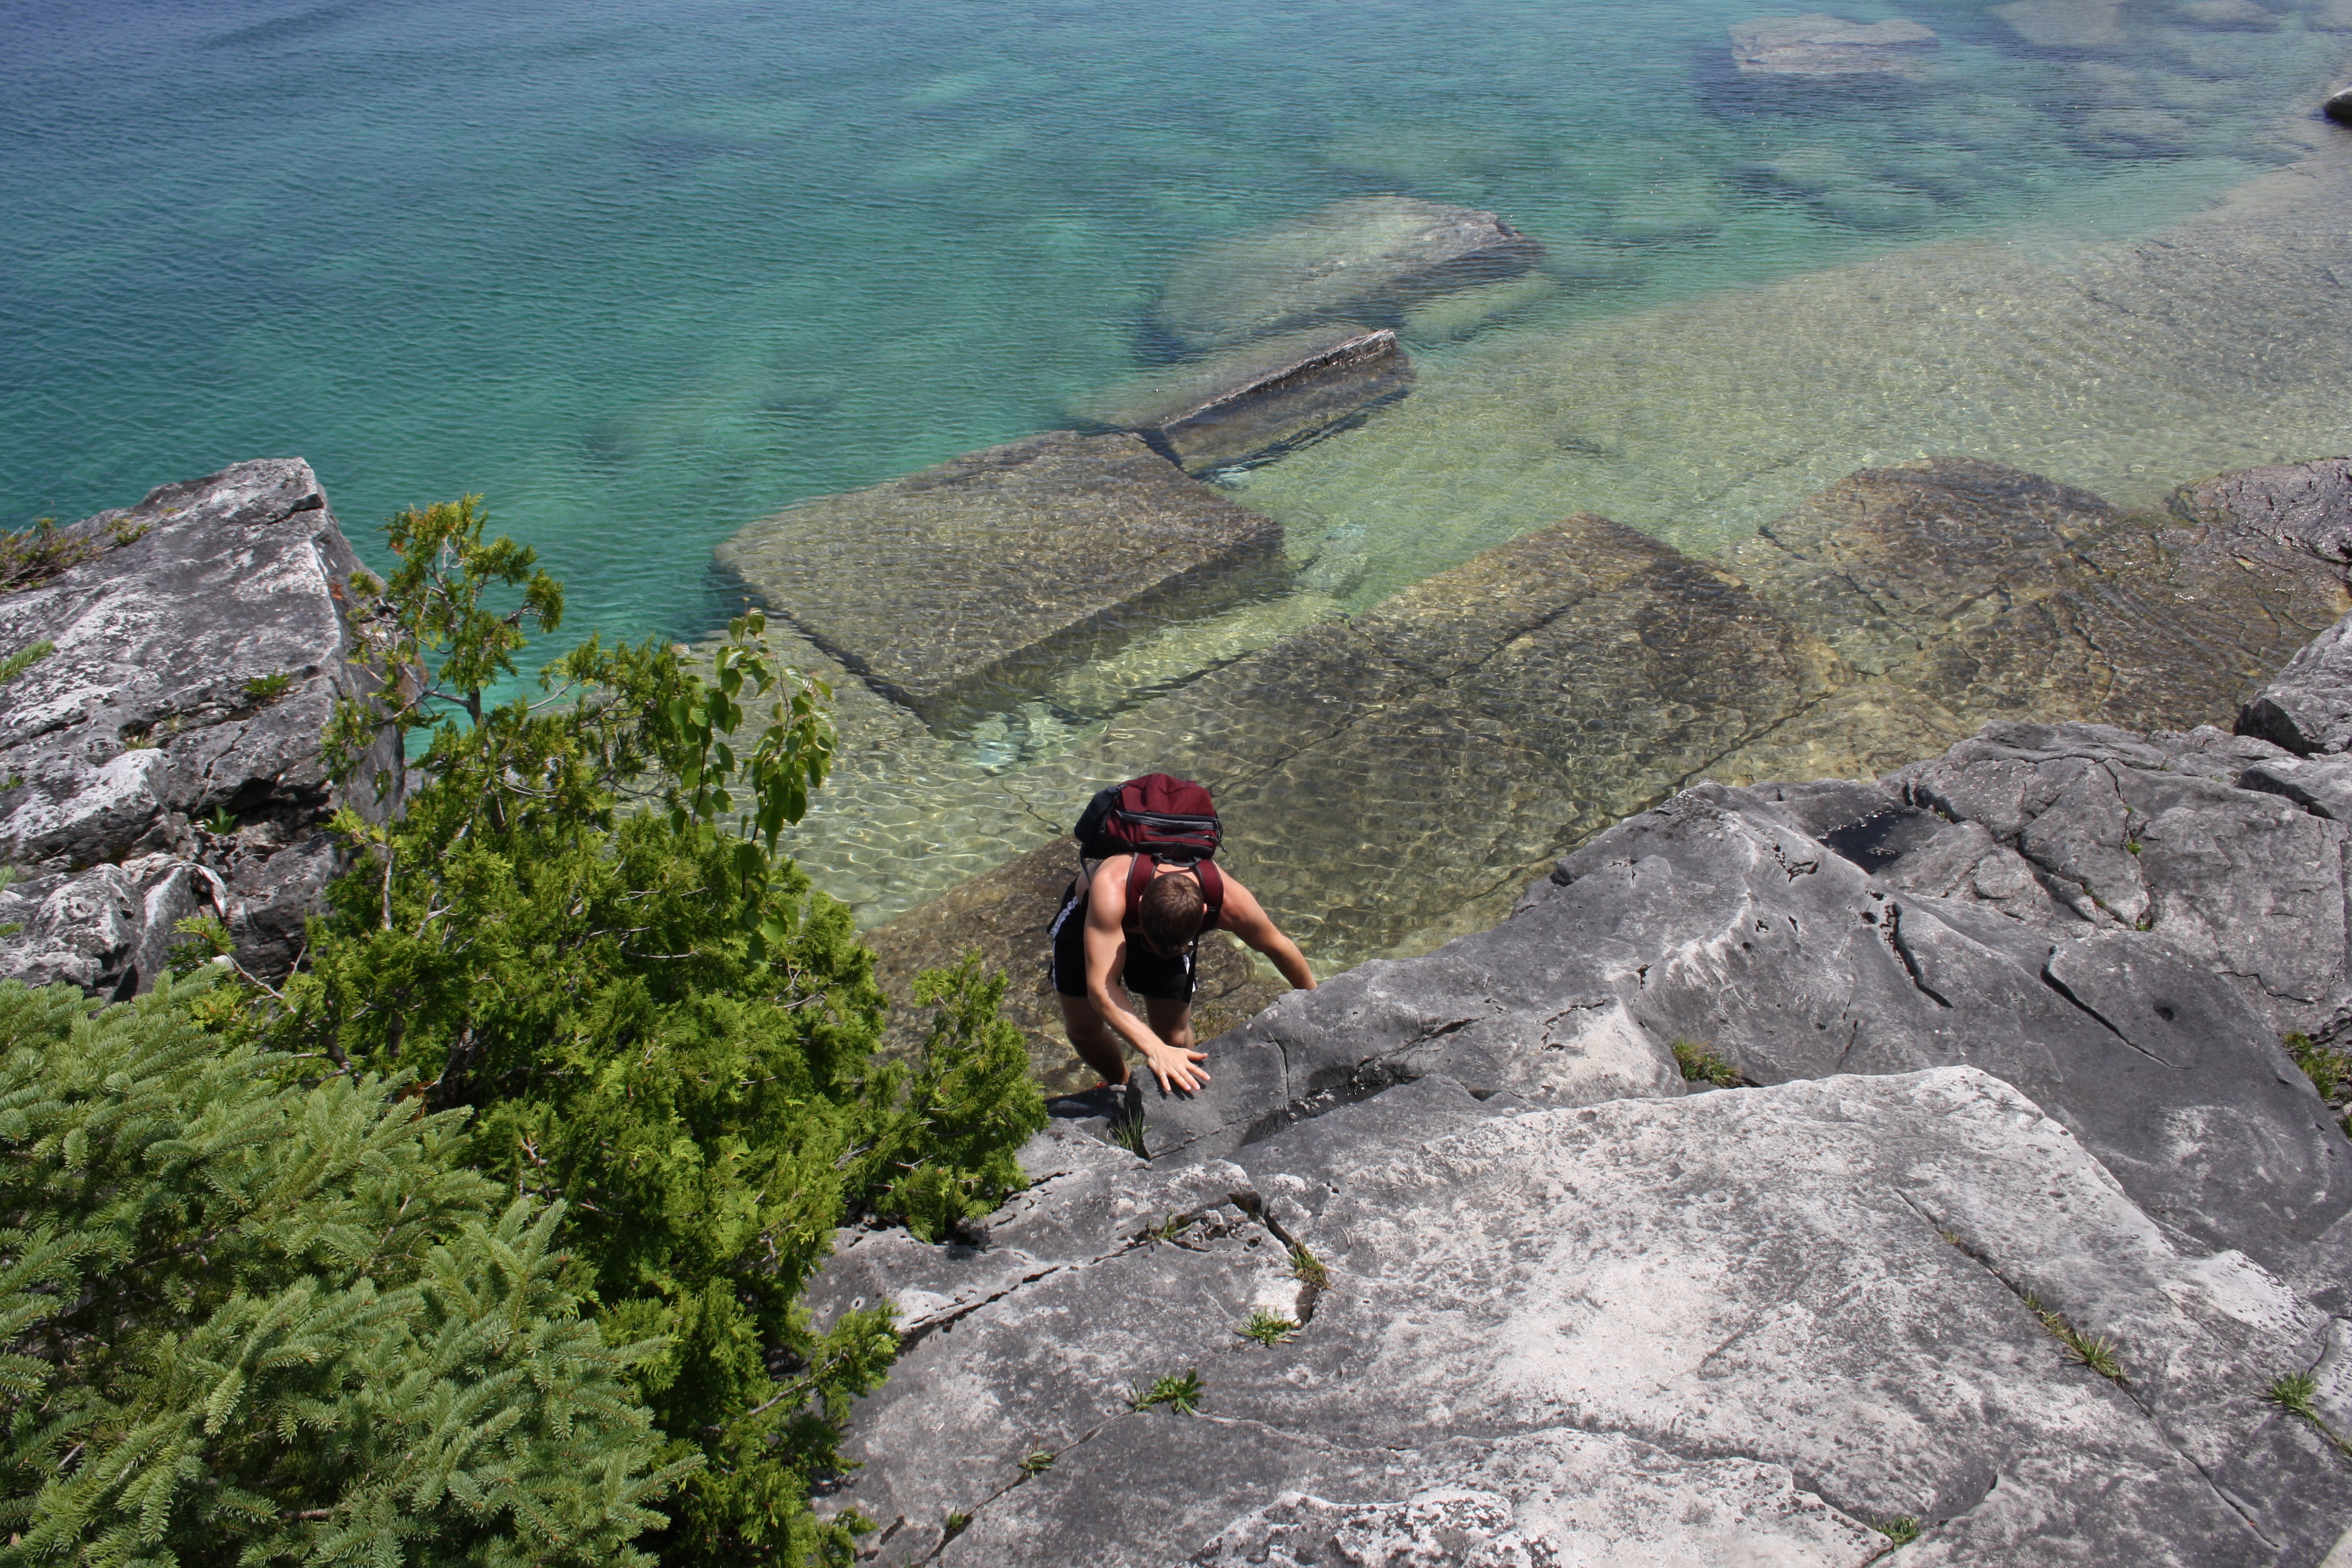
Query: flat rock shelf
{"points": [[988, 574]]}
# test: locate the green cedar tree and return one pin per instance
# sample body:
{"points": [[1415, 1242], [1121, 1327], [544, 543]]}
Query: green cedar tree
{"points": [[245, 1320], [580, 926]]}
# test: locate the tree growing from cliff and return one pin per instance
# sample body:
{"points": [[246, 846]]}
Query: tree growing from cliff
{"points": [[249, 1320], [580, 926]]}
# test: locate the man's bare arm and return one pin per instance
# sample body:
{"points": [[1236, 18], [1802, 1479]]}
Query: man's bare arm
{"points": [[1106, 942], [1247, 920]]}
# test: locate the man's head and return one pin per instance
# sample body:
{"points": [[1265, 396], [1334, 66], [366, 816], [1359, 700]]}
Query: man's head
{"points": [[1169, 912]]}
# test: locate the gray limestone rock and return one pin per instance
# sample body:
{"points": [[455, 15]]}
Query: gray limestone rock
{"points": [[1817, 45], [200, 649], [2307, 707], [109, 930], [2153, 833], [2301, 507], [1368, 260], [1715, 919], [1248, 404], [1730, 1328], [987, 574], [2321, 785]]}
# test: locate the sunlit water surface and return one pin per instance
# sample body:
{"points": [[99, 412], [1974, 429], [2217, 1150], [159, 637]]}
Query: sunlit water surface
{"points": [[643, 273]]}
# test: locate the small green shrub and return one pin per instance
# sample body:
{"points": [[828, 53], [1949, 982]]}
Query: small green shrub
{"points": [[23, 659], [2327, 1069], [1169, 1229], [1126, 1132], [582, 928], [1700, 1065], [1177, 1391], [2298, 1393], [1268, 1329], [31, 556], [1036, 1462], [252, 1319], [2098, 1355], [1902, 1529], [221, 823], [1305, 1267], [269, 687]]}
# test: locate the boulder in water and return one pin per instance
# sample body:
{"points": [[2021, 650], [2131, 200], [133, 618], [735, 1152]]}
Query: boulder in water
{"points": [[1819, 46], [1368, 260], [1250, 403], [985, 575]]}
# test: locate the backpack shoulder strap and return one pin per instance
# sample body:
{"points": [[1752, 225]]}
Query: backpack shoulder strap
{"points": [[1140, 872], [1212, 895]]}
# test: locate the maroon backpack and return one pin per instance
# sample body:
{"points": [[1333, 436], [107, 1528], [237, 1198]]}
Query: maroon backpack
{"points": [[1157, 817]]}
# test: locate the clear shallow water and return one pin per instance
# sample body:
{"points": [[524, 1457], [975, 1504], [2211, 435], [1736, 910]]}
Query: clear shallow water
{"points": [[642, 273]]}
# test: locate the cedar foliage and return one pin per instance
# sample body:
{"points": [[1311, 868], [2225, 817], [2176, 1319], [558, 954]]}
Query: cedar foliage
{"points": [[250, 1320], [579, 927]]}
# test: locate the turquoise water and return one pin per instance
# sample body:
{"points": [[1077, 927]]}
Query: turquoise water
{"points": [[643, 272]]}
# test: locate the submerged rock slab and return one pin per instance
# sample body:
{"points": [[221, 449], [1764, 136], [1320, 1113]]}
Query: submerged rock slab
{"points": [[1819, 46], [200, 649], [1255, 401], [1728, 1328], [993, 571], [1368, 260], [1993, 592]]}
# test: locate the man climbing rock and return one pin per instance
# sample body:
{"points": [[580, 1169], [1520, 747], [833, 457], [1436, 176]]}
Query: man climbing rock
{"points": [[1136, 917]]}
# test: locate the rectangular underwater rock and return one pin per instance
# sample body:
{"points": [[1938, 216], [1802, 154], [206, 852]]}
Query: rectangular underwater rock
{"points": [[1259, 400], [978, 580]]}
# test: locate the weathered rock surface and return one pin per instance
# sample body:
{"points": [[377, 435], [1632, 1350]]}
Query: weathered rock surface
{"points": [[1729, 1328], [196, 667], [1819, 46], [1719, 919], [2197, 838], [993, 571], [1255, 401], [1368, 260], [2307, 708]]}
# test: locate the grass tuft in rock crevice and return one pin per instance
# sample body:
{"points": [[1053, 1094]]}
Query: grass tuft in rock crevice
{"points": [[2098, 1353], [1701, 1065]]}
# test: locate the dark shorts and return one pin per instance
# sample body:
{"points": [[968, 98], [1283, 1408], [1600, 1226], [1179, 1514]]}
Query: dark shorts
{"points": [[1147, 973]]}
